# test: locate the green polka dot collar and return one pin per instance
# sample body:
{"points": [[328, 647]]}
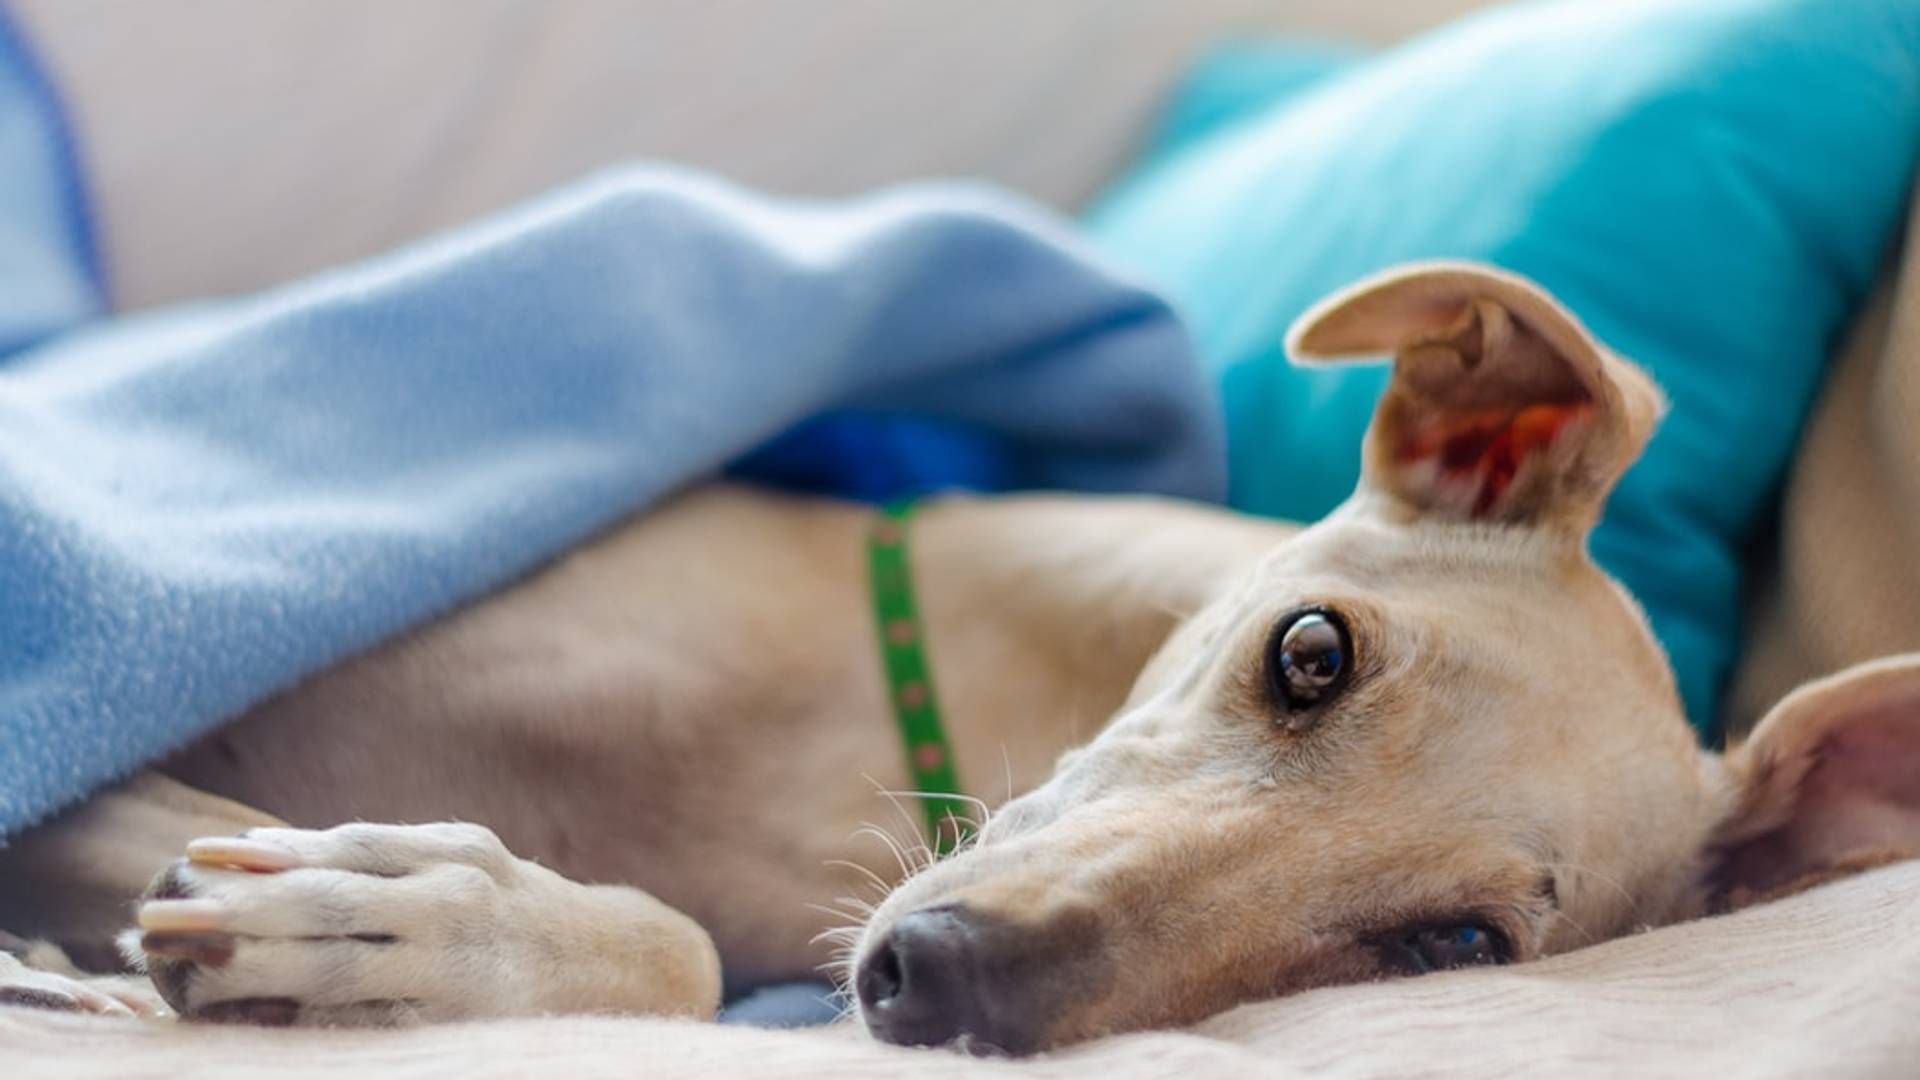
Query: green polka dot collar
{"points": [[916, 708]]}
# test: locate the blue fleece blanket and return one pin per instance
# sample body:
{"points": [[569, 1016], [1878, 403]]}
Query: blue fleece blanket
{"points": [[200, 506]]}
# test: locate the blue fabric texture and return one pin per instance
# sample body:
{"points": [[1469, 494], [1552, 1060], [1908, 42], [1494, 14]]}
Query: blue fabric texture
{"points": [[49, 277], [784, 1005], [1711, 186], [198, 507]]}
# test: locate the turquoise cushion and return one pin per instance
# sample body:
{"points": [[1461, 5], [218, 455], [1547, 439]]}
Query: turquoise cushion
{"points": [[1710, 185]]}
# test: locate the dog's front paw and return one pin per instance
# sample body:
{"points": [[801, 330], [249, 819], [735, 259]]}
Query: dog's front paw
{"points": [[32, 988], [357, 925]]}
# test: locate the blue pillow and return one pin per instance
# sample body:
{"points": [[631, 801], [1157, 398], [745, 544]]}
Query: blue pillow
{"points": [[50, 279], [1711, 186]]}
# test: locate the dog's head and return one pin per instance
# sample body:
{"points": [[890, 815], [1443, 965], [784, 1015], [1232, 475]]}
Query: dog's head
{"points": [[1426, 733]]}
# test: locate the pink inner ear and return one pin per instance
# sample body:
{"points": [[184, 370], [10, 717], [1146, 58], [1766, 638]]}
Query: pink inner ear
{"points": [[1863, 790], [1859, 798], [1487, 447]]}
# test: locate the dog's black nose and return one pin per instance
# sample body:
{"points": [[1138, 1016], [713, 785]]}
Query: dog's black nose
{"points": [[926, 983]]}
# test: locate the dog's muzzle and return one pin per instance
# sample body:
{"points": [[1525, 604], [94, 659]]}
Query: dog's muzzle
{"points": [[949, 974]]}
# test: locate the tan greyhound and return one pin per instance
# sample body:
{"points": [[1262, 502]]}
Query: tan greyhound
{"points": [[1425, 732]]}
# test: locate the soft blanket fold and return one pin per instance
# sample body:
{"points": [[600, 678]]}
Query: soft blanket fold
{"points": [[200, 506]]}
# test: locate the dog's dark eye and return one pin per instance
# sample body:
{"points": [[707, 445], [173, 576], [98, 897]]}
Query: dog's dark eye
{"points": [[1438, 948], [1308, 659]]}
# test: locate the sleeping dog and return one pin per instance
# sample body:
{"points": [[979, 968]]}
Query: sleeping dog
{"points": [[1249, 758]]}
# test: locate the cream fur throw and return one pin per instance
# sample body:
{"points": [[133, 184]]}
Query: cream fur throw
{"points": [[1826, 983]]}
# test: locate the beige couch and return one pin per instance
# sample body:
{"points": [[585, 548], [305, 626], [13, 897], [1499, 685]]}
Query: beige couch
{"points": [[237, 143]]}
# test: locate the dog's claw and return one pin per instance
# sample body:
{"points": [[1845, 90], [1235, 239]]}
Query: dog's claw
{"points": [[183, 915], [241, 853]]}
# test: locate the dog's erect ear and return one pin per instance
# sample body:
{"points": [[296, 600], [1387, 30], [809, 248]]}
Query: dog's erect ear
{"points": [[1828, 783], [1502, 407]]}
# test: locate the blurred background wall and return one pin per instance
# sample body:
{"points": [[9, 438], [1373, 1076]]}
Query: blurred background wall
{"points": [[238, 143]]}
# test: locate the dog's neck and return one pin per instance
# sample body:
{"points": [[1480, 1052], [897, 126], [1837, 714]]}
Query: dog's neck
{"points": [[1063, 600]]}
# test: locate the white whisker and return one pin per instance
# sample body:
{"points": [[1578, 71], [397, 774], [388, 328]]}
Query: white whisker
{"points": [[920, 855], [986, 812], [879, 882], [892, 845], [1577, 868]]}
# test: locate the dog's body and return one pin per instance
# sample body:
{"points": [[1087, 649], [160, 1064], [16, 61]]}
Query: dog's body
{"points": [[1427, 731], [664, 705]]}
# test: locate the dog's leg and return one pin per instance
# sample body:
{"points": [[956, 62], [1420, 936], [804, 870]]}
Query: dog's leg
{"points": [[379, 924], [36, 974], [65, 889], [70, 881]]}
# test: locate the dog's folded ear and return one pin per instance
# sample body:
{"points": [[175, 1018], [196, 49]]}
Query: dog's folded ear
{"points": [[1828, 783], [1502, 407]]}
